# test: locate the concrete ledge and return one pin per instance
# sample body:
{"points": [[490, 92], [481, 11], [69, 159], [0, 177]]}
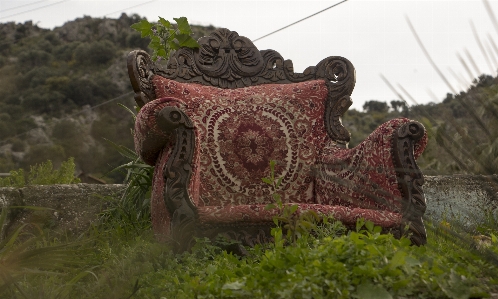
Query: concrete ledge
{"points": [[467, 199], [71, 208]]}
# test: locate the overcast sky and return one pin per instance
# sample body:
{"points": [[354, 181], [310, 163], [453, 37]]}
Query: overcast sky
{"points": [[374, 35]]}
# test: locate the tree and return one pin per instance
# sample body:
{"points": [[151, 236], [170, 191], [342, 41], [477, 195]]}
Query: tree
{"points": [[375, 106], [400, 107]]}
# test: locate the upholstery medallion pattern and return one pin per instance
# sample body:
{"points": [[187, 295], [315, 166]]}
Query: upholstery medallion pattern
{"points": [[241, 130]]}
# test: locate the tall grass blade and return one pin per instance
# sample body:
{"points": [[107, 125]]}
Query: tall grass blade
{"points": [[428, 56], [481, 47], [466, 67]]}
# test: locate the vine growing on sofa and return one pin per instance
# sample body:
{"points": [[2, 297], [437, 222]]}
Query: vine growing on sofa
{"points": [[164, 37], [289, 219]]}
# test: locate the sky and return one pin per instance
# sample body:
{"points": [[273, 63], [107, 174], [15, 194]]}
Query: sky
{"points": [[374, 35]]}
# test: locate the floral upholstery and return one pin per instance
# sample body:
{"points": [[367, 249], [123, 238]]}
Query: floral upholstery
{"points": [[238, 131]]}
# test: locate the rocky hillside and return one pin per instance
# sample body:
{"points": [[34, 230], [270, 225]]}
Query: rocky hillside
{"points": [[59, 91]]}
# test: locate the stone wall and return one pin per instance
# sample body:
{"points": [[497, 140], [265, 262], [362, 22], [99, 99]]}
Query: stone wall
{"points": [[73, 208], [467, 199], [68, 208]]}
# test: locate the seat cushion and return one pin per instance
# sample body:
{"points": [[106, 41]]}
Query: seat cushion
{"points": [[238, 131]]}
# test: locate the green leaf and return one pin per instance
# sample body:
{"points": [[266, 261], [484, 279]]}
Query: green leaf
{"points": [[144, 27], [272, 168], [270, 206], [377, 229], [267, 181], [162, 53], [411, 261], [183, 25], [236, 285], [165, 23], [174, 45], [371, 291], [369, 225], [277, 197], [398, 259], [293, 209], [359, 224], [185, 40], [155, 43], [279, 181]]}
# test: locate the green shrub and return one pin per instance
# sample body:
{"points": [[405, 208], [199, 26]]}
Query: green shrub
{"points": [[98, 52], [42, 174], [361, 264], [34, 58]]}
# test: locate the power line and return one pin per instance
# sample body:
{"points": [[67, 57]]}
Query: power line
{"points": [[299, 20], [128, 8], [23, 12], [13, 42], [71, 115], [29, 4]]}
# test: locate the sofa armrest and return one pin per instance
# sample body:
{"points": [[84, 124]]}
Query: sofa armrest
{"points": [[409, 142], [154, 128]]}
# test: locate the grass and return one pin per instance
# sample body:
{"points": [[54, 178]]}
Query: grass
{"points": [[119, 259]]}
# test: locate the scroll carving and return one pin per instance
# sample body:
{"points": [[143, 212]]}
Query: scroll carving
{"points": [[410, 180], [140, 70], [227, 60], [225, 54]]}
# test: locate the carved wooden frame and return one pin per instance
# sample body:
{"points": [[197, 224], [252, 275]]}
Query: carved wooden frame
{"points": [[410, 181], [227, 60]]}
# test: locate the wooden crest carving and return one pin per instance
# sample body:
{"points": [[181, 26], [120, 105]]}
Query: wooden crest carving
{"points": [[227, 60]]}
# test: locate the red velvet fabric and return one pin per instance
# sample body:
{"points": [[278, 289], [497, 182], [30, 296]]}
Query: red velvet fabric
{"points": [[239, 131]]}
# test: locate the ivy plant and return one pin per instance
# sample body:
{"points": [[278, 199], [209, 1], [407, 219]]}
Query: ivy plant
{"points": [[166, 37]]}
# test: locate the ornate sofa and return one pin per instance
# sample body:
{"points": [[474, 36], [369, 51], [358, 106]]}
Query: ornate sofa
{"points": [[213, 118]]}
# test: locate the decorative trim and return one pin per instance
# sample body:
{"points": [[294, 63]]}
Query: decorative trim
{"points": [[140, 71], [410, 181], [227, 60]]}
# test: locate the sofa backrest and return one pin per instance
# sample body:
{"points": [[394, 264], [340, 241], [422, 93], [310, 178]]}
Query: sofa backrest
{"points": [[238, 131]]}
